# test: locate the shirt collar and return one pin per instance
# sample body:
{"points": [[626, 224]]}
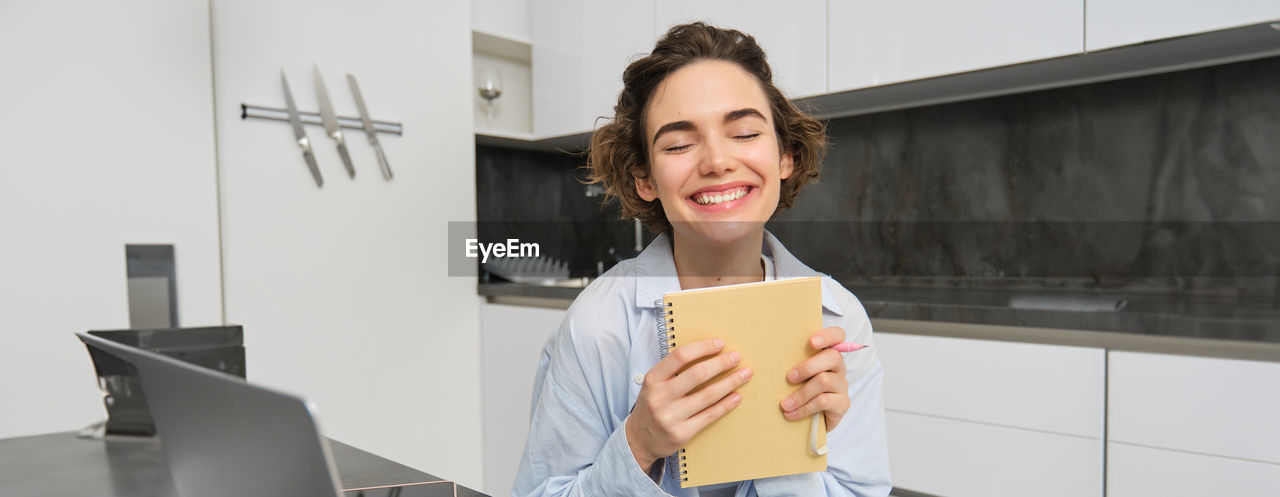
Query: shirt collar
{"points": [[656, 271]]}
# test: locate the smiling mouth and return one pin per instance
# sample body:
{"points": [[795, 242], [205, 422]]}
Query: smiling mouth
{"points": [[714, 198]]}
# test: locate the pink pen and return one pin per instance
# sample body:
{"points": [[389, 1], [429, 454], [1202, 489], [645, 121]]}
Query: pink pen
{"points": [[848, 347], [842, 347]]}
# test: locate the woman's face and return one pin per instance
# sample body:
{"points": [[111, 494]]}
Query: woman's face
{"points": [[715, 163]]}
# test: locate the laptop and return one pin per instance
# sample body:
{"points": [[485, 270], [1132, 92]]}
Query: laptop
{"points": [[224, 436]]}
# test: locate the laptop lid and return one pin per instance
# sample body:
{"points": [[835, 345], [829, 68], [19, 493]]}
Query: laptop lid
{"points": [[223, 436]]}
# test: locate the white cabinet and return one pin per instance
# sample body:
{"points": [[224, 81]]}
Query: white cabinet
{"points": [[941, 456], [107, 140], [977, 417], [1135, 471], [1112, 23], [794, 35], [505, 18], [580, 49], [876, 42], [1215, 417], [511, 338], [342, 300]]}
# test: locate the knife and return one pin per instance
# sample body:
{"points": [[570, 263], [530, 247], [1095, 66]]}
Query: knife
{"points": [[331, 122], [299, 133], [368, 127]]}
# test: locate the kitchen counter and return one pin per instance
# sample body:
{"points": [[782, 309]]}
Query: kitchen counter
{"points": [[1115, 320]]}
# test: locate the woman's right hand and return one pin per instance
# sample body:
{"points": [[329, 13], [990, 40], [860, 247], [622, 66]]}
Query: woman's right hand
{"points": [[666, 414]]}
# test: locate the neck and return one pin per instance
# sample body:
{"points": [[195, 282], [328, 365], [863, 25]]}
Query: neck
{"points": [[701, 263]]}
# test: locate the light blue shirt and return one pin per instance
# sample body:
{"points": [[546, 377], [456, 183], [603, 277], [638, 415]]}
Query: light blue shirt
{"points": [[590, 373]]}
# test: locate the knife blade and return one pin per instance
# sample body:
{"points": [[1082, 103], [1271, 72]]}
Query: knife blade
{"points": [[368, 127], [299, 133], [330, 120]]}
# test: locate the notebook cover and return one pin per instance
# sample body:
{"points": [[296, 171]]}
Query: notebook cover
{"points": [[770, 324]]}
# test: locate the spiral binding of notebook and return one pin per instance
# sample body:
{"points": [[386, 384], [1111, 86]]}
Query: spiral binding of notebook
{"points": [[677, 468], [666, 342]]}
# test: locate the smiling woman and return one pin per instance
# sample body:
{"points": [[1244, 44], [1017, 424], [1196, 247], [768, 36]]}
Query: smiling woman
{"points": [[703, 149]]}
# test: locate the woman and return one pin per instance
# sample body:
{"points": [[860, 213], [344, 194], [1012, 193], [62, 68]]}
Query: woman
{"points": [[704, 149]]}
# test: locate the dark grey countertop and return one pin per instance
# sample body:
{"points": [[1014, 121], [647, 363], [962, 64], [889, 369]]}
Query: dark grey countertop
{"points": [[61, 464], [1139, 315]]}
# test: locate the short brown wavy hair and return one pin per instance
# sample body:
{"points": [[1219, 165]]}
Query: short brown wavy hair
{"points": [[618, 153]]}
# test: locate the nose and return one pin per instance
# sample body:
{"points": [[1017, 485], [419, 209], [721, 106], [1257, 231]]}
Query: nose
{"points": [[717, 158]]}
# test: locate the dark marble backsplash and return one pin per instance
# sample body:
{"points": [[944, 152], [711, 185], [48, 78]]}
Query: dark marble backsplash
{"points": [[1158, 184], [542, 197]]}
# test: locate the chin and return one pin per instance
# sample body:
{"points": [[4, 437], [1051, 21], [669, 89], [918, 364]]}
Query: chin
{"points": [[719, 232]]}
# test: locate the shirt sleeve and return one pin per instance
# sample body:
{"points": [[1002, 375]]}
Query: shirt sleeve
{"points": [[577, 443], [858, 451]]}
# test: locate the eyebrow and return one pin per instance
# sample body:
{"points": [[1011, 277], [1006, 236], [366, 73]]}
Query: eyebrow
{"points": [[730, 116]]}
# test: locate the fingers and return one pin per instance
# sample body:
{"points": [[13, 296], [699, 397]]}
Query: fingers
{"points": [[713, 393], [684, 355], [703, 371], [833, 405], [826, 337], [824, 360], [713, 412], [826, 382]]}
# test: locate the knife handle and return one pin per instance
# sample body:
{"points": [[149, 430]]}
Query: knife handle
{"points": [[382, 162]]}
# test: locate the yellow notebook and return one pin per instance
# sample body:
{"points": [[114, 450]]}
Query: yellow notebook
{"points": [[770, 324]]}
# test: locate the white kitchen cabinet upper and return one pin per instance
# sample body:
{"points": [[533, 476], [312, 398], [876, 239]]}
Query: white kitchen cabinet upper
{"points": [[505, 18], [580, 49], [794, 37], [1112, 23], [875, 42]]}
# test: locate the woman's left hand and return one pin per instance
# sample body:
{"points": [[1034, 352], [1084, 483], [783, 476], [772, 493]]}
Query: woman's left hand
{"points": [[824, 388]]}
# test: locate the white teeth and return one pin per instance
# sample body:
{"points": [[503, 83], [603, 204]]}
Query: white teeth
{"points": [[721, 197]]}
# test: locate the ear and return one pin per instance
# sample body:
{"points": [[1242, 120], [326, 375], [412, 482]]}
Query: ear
{"points": [[646, 189], [787, 166]]}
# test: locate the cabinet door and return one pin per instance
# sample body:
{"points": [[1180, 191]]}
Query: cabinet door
{"points": [[505, 18], [875, 42], [1112, 23], [107, 140], [1219, 407], [511, 340], [941, 456], [989, 418], [1049, 388], [580, 49], [793, 35], [1134, 471]]}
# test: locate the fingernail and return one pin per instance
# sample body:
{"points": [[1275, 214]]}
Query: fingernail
{"points": [[745, 373], [818, 342], [737, 397], [718, 343], [788, 404], [793, 414], [793, 375], [734, 357]]}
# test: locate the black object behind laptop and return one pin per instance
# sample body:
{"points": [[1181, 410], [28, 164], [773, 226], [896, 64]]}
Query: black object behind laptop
{"points": [[219, 348], [223, 436]]}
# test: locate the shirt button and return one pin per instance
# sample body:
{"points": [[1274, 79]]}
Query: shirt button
{"points": [[639, 379]]}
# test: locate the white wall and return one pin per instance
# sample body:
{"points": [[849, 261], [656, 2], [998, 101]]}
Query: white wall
{"points": [[106, 138], [343, 290]]}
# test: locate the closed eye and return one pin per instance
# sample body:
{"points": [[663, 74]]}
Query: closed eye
{"points": [[747, 136], [676, 148]]}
